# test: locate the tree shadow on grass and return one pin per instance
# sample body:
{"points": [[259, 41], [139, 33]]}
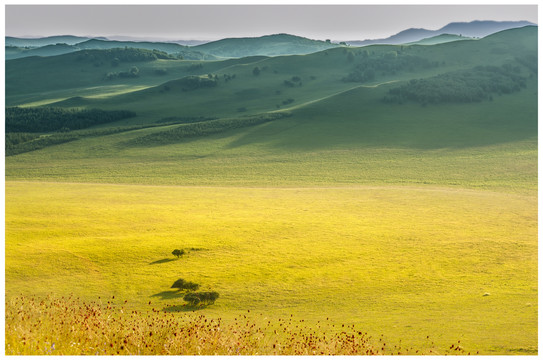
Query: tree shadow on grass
{"points": [[183, 308], [164, 295], [163, 261]]}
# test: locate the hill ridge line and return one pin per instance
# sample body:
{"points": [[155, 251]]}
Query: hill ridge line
{"points": [[335, 94]]}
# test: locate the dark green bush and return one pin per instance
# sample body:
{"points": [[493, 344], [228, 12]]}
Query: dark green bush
{"points": [[182, 284], [178, 253], [201, 298], [43, 119], [472, 85], [387, 64]]}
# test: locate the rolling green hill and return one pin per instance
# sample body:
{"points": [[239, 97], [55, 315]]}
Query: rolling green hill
{"points": [[439, 39], [325, 116], [270, 45], [393, 187], [49, 40], [180, 51]]}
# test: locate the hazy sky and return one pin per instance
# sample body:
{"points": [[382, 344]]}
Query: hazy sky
{"points": [[336, 22]]}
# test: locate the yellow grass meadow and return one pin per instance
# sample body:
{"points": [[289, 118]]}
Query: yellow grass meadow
{"points": [[400, 263]]}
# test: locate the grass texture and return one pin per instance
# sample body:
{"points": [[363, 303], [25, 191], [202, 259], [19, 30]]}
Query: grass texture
{"points": [[359, 255]]}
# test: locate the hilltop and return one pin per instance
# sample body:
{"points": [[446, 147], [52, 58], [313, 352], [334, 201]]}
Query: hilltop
{"points": [[269, 45]]}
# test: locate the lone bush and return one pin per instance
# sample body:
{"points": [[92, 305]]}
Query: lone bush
{"points": [[182, 284], [178, 253], [201, 298]]}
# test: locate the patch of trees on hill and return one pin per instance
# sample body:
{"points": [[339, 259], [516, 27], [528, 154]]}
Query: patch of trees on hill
{"points": [[45, 119], [131, 73], [119, 55], [192, 82], [386, 64], [204, 128], [18, 143], [472, 85]]}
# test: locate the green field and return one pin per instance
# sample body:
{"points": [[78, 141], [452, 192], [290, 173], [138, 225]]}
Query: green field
{"points": [[416, 222]]}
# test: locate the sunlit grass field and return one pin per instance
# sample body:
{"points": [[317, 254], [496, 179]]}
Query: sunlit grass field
{"points": [[405, 262]]}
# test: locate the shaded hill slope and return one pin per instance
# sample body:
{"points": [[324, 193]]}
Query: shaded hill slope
{"points": [[43, 41], [289, 81]]}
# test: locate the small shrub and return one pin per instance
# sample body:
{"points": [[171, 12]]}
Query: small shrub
{"points": [[201, 298], [288, 101], [178, 253], [182, 284]]}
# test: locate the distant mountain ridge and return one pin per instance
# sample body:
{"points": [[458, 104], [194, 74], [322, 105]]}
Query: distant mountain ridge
{"points": [[268, 45], [48, 40], [474, 29], [14, 52]]}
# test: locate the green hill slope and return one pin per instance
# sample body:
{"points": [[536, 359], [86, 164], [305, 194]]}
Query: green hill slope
{"points": [[180, 51], [49, 40], [440, 39], [345, 129], [270, 45]]}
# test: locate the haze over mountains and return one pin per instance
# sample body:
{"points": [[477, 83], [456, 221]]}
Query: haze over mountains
{"points": [[474, 29], [270, 45]]}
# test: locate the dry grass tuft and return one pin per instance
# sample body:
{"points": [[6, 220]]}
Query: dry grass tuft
{"points": [[68, 326]]}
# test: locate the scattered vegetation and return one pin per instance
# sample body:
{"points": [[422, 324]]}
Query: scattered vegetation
{"points": [[228, 77], [182, 284], [119, 55], [178, 253], [472, 85], [68, 326], [15, 145], [204, 128], [288, 101], [44, 119], [130, 73], [193, 82], [292, 82], [201, 298], [386, 64]]}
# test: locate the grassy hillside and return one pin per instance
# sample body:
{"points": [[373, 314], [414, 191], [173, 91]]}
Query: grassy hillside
{"points": [[49, 40], [322, 188], [14, 52], [439, 39], [270, 45]]}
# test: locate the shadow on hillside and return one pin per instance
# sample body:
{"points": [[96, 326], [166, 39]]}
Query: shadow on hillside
{"points": [[182, 308], [162, 261], [164, 295], [359, 118]]}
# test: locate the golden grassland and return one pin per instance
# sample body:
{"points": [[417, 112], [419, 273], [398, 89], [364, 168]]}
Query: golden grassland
{"points": [[68, 326], [404, 262]]}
